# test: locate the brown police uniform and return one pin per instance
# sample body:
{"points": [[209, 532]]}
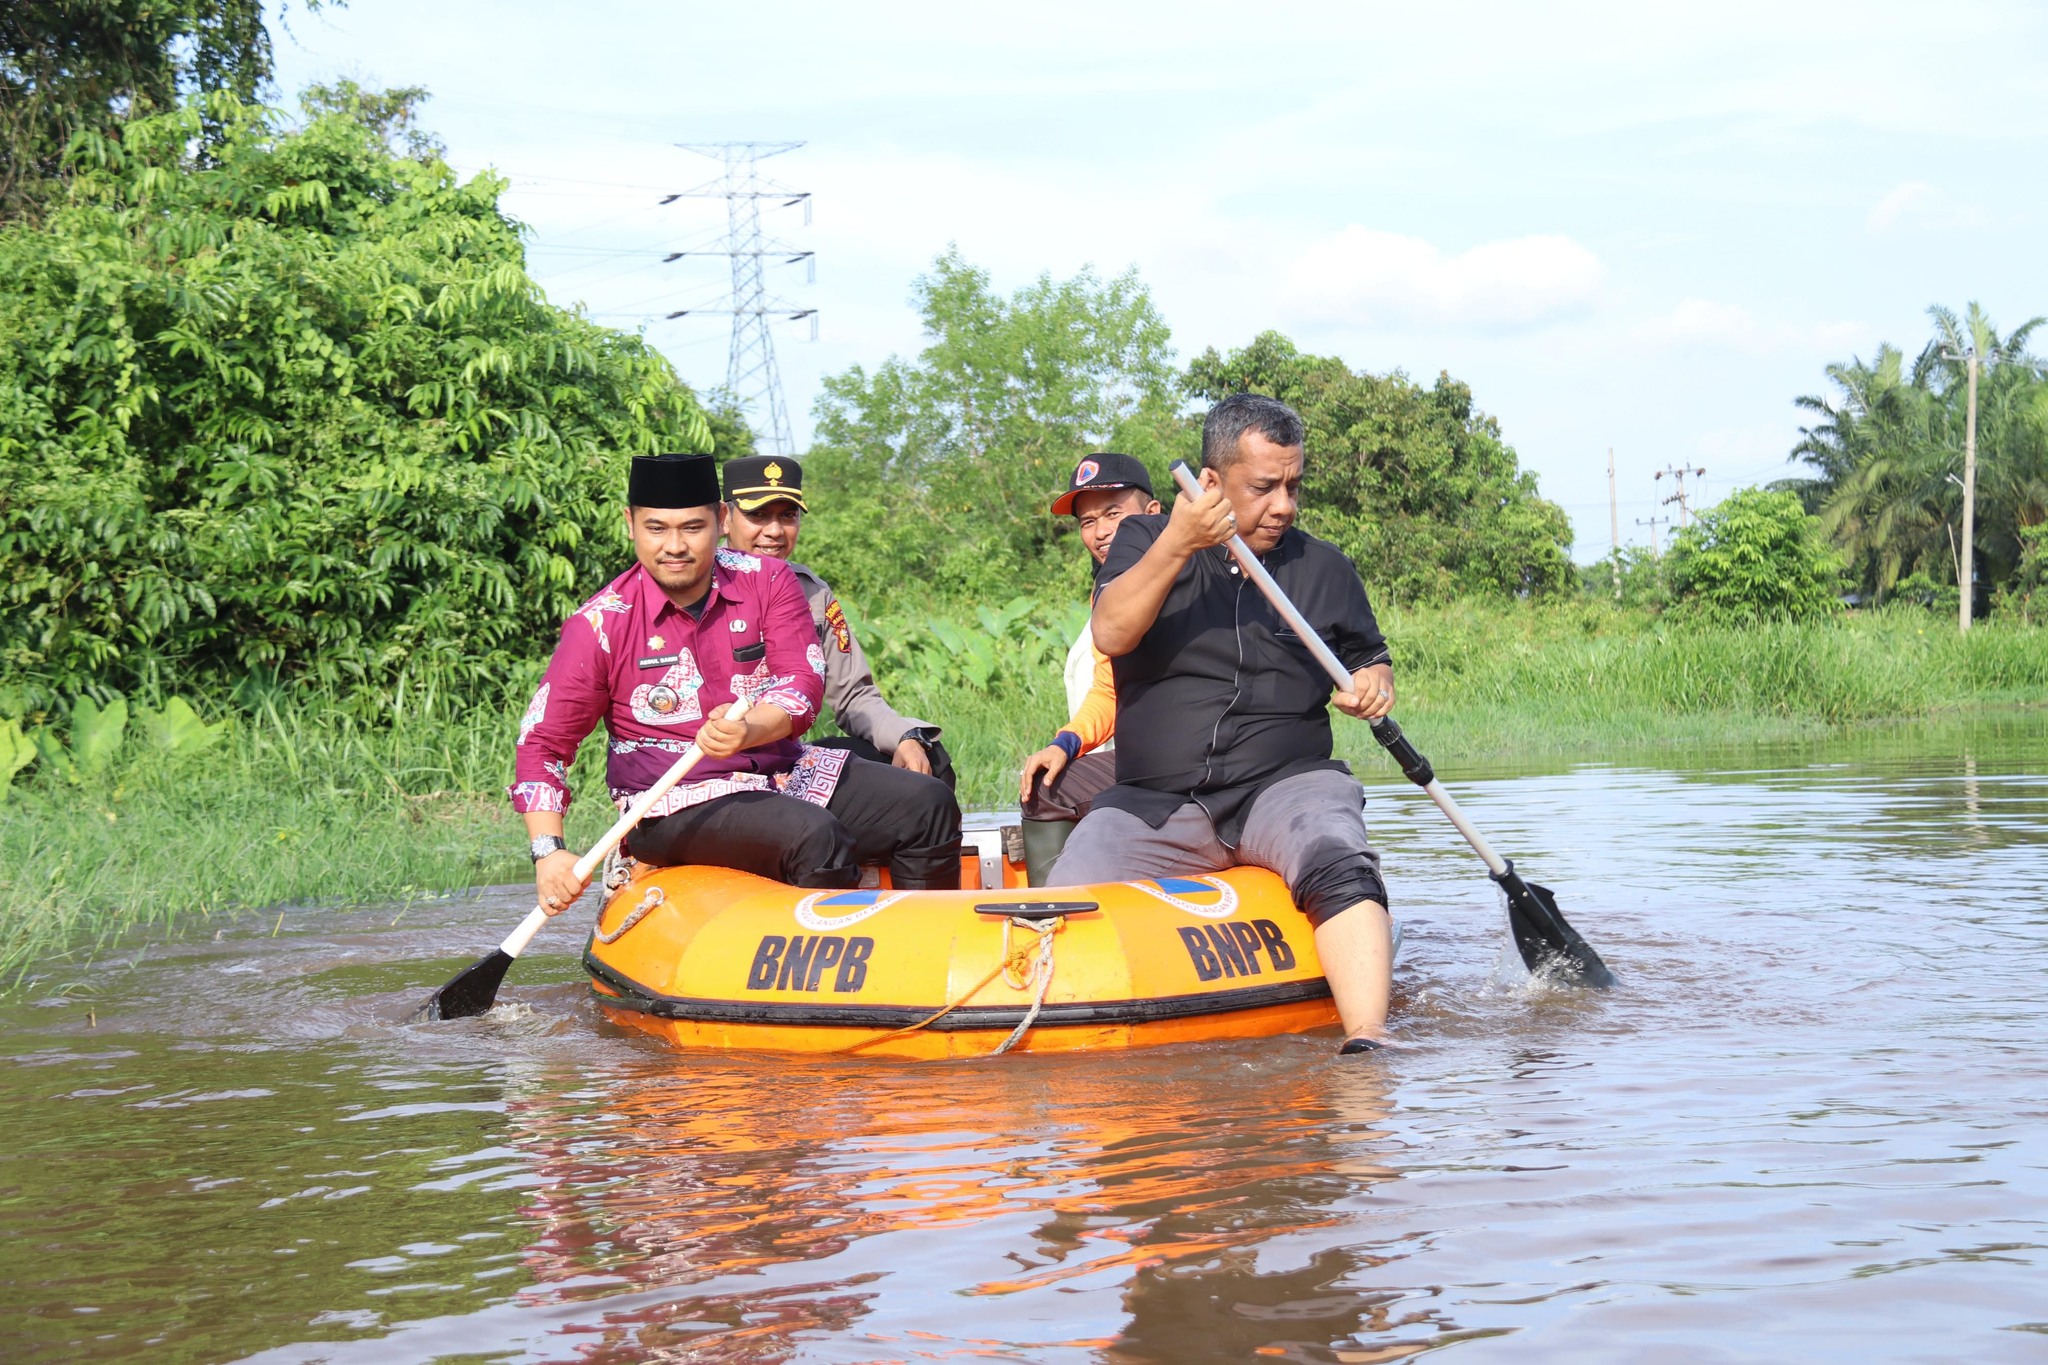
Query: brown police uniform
{"points": [[873, 728], [850, 689]]}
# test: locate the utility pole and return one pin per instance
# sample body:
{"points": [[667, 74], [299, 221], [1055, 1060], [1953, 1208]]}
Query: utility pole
{"points": [[1678, 473], [1966, 570], [751, 374], [1614, 522], [1656, 550]]}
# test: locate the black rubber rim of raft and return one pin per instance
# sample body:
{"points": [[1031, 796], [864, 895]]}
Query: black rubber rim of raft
{"points": [[633, 996]]}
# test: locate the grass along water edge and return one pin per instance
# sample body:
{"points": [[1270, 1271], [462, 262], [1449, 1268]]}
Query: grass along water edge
{"points": [[306, 804]]}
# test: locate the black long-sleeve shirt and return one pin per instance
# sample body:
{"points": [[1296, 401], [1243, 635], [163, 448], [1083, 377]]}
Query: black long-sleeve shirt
{"points": [[1221, 699]]}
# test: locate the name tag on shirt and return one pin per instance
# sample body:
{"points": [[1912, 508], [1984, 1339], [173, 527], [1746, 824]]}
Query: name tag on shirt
{"points": [[659, 660]]}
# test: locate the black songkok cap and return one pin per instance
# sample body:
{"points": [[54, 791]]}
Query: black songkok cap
{"points": [[672, 481]]}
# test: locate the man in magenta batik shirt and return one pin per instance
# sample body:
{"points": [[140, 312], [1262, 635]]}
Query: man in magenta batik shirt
{"points": [[660, 655]]}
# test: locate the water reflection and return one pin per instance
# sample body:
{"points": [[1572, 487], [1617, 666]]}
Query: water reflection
{"points": [[1033, 1179], [1810, 1117]]}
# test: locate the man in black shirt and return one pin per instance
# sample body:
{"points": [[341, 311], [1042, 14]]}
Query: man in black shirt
{"points": [[1223, 727]]}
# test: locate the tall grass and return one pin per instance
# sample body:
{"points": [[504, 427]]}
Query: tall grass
{"points": [[1585, 672], [302, 802], [291, 806]]}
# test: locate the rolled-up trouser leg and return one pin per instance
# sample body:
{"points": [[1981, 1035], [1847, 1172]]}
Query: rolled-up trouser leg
{"points": [[1310, 829], [1072, 793], [765, 833], [908, 820]]}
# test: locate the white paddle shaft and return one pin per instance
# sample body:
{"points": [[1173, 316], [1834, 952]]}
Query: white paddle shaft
{"points": [[516, 941], [1332, 665]]}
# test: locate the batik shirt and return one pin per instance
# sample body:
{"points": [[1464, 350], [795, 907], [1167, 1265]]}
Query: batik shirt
{"points": [[651, 672]]}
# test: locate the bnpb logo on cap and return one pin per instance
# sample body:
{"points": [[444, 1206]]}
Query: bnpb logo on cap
{"points": [[1088, 470]]}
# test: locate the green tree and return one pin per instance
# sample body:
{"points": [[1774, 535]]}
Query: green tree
{"points": [[2026, 593], [1887, 455], [1757, 556], [937, 470], [1417, 487], [279, 401], [74, 66], [1882, 490]]}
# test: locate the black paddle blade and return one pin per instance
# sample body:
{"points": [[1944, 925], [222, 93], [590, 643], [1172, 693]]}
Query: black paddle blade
{"points": [[1549, 946], [474, 990]]}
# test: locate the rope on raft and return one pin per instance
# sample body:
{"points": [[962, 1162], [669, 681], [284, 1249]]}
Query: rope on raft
{"points": [[1041, 972], [655, 896], [1036, 968]]}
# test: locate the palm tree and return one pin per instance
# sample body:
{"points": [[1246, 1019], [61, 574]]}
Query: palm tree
{"points": [[1888, 453], [1882, 492]]}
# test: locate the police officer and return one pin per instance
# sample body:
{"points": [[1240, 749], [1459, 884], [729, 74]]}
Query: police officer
{"points": [[766, 496]]}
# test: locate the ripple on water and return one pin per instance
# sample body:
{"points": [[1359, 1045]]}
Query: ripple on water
{"points": [[1807, 1125]]}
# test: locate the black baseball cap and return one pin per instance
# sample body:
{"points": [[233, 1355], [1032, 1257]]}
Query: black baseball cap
{"points": [[754, 481], [1104, 470]]}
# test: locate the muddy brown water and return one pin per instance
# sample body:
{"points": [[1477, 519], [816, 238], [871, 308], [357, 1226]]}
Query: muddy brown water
{"points": [[1809, 1126]]}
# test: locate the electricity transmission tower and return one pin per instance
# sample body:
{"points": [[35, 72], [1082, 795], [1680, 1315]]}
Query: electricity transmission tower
{"points": [[751, 375]]}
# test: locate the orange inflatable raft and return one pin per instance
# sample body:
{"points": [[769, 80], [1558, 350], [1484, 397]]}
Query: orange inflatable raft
{"points": [[710, 957]]}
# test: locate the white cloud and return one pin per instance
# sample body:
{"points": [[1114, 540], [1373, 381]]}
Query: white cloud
{"points": [[1703, 320], [1363, 276], [1913, 197], [1710, 324], [1915, 205]]}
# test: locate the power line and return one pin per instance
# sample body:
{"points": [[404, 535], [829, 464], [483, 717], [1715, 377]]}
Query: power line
{"points": [[1678, 474], [1653, 523]]}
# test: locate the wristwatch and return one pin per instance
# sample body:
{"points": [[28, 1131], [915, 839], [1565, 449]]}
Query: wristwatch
{"points": [[544, 844], [927, 735]]}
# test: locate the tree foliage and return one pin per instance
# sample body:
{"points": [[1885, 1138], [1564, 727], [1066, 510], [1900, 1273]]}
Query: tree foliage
{"points": [[1887, 454], [1418, 488], [1756, 556], [77, 66], [960, 450], [291, 406], [936, 471], [2025, 594]]}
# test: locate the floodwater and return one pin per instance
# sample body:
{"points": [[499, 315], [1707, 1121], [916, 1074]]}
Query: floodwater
{"points": [[1808, 1126]]}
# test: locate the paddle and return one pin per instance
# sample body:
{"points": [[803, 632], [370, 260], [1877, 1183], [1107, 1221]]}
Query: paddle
{"points": [[475, 988], [1548, 945]]}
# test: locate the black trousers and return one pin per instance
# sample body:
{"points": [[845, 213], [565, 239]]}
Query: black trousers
{"points": [[942, 762], [878, 814], [1074, 791]]}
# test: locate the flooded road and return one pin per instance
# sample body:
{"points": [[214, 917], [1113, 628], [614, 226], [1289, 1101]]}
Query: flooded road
{"points": [[1812, 1124]]}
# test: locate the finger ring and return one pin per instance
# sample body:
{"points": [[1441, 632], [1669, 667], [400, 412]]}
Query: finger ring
{"points": [[1384, 694], [553, 901]]}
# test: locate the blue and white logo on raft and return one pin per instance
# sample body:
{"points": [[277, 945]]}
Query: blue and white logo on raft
{"points": [[1204, 897], [853, 907]]}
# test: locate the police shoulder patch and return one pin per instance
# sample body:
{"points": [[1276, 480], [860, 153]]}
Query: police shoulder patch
{"points": [[835, 619]]}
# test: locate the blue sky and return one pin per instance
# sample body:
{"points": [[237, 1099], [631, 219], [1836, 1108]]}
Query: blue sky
{"points": [[1628, 226]]}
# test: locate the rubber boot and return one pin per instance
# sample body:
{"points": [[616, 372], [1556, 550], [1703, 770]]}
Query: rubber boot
{"points": [[1043, 840]]}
